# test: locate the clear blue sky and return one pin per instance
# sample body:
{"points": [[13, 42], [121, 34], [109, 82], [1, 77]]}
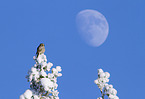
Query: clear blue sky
{"points": [[24, 24]]}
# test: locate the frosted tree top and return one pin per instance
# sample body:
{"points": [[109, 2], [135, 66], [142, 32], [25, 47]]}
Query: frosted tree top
{"points": [[42, 78], [105, 88]]}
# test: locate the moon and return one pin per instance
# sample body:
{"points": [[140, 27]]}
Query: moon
{"points": [[92, 27]]}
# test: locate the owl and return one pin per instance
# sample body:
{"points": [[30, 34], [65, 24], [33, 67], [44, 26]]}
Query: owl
{"points": [[40, 49]]}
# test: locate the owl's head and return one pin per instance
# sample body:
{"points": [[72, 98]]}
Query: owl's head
{"points": [[41, 44]]}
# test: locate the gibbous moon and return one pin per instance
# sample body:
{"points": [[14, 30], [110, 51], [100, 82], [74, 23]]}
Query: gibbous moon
{"points": [[92, 27]]}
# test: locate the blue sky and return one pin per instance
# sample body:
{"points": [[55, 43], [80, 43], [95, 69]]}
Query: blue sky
{"points": [[24, 24]]}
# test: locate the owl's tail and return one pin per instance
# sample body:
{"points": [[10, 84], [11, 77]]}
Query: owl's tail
{"points": [[37, 54]]}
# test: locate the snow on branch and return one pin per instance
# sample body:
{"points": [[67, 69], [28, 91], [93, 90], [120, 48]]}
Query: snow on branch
{"points": [[43, 80], [105, 88]]}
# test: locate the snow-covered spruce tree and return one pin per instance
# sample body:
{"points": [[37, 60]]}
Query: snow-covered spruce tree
{"points": [[43, 80], [105, 88]]}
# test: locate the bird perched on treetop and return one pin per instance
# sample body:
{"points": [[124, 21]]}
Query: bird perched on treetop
{"points": [[40, 49]]}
